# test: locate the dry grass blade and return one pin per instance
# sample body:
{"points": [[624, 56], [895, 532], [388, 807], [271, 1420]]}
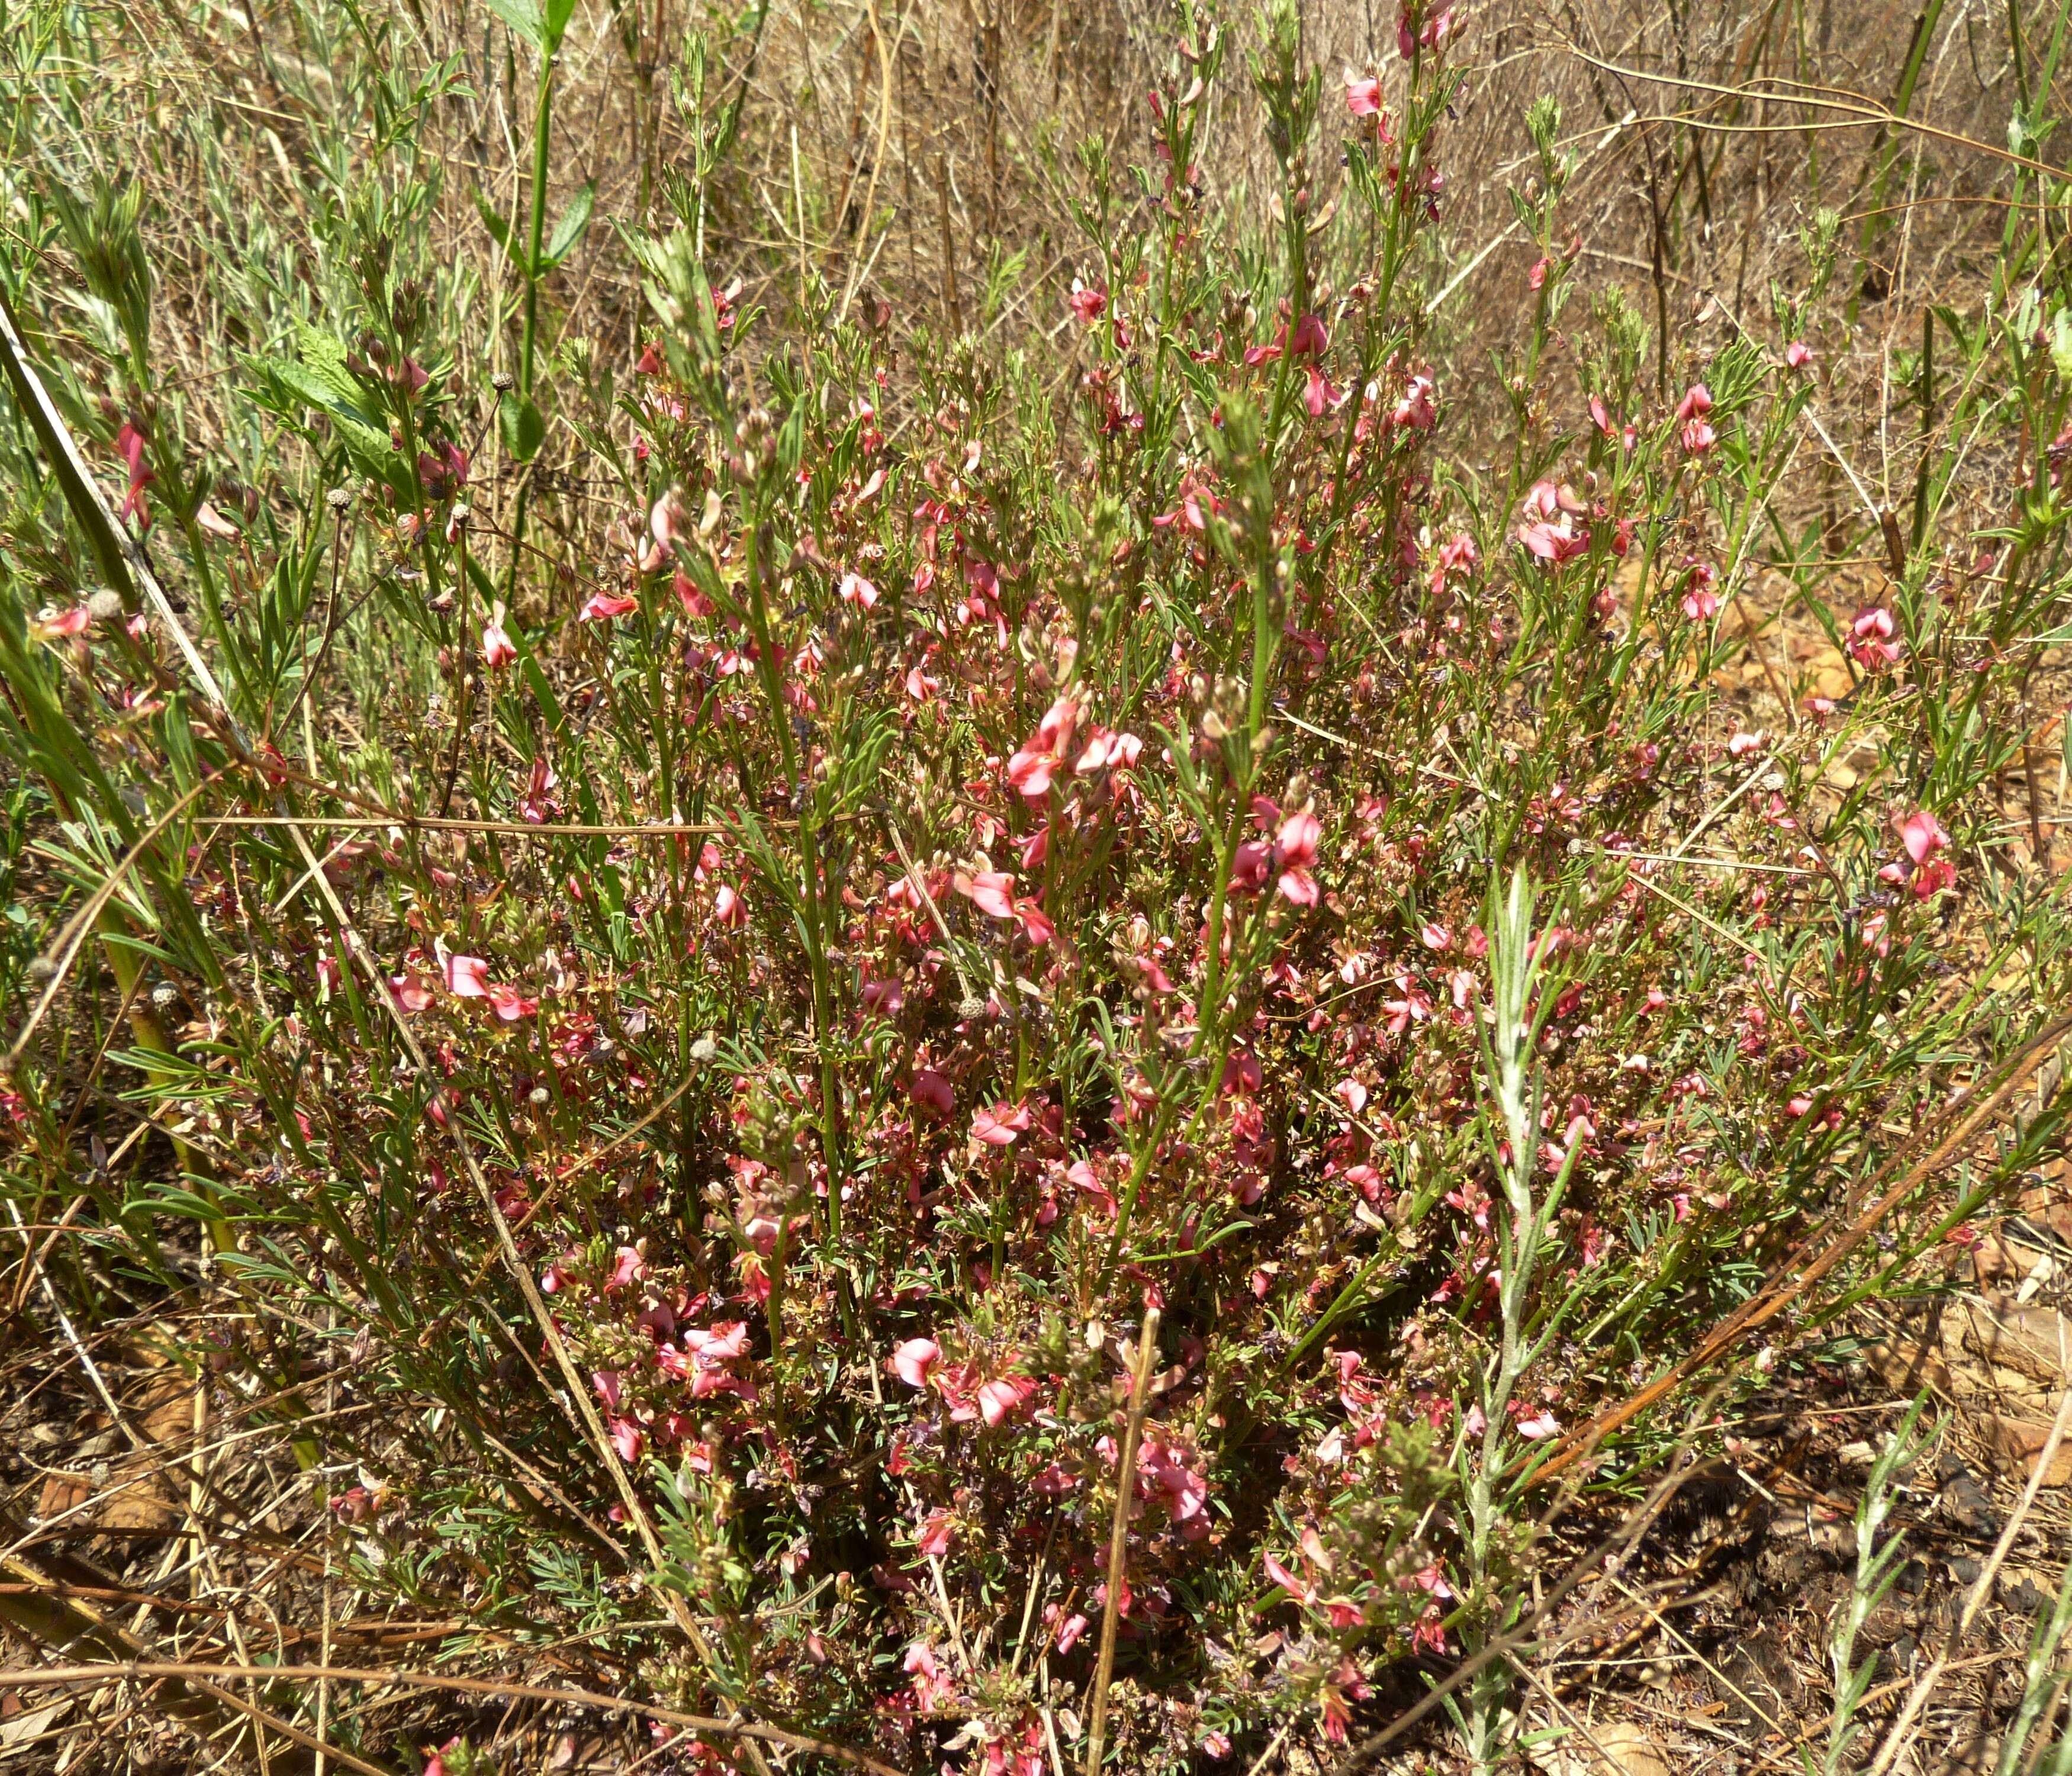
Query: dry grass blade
{"points": [[204, 1675], [1813, 1256], [1126, 1499], [1905, 1729]]}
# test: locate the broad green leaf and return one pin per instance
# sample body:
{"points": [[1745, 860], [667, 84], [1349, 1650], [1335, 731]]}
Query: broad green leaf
{"points": [[524, 430], [569, 229], [500, 231], [524, 18]]}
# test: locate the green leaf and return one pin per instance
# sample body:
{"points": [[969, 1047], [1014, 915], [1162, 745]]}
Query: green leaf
{"points": [[569, 229], [524, 18], [523, 431], [559, 13], [500, 231]]}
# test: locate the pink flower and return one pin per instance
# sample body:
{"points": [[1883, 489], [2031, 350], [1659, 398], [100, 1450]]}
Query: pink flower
{"points": [[1549, 530], [1311, 338], [627, 1438], [1416, 409], [1069, 1631], [932, 1093], [412, 993], [605, 1382], [509, 1004], [1295, 849], [1363, 96], [1697, 402], [467, 977], [497, 650], [1799, 354], [627, 1268], [998, 1126], [1923, 835], [602, 606], [1536, 278], [69, 623], [912, 1361], [1540, 1425], [1601, 415], [1871, 642], [992, 891], [856, 589], [1299, 1591], [728, 908], [1088, 302], [1186, 1492], [131, 442], [1216, 1745], [1000, 1399], [1030, 768], [934, 1537]]}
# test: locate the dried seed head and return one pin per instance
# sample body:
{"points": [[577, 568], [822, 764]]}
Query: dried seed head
{"points": [[104, 605], [339, 498]]}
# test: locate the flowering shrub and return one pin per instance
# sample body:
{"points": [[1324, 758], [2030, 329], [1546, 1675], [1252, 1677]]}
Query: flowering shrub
{"points": [[950, 874]]}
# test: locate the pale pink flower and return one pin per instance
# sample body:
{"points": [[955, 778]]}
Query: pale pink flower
{"points": [[1540, 1426], [497, 649], [1363, 96], [627, 1268], [992, 891], [1799, 354], [1295, 849], [912, 1361], [1923, 835], [997, 1126], [1003, 1398], [509, 1004], [412, 992], [933, 1536], [1549, 530], [602, 606], [467, 977], [856, 589]]}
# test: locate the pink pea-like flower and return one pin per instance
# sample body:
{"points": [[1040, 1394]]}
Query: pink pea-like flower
{"points": [[1923, 835], [1002, 1400], [992, 891], [857, 590], [1363, 96], [1297, 849], [932, 1092], [1089, 302], [498, 650], [913, 1360], [602, 607], [467, 977], [934, 1539], [997, 1126], [1799, 354]]}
